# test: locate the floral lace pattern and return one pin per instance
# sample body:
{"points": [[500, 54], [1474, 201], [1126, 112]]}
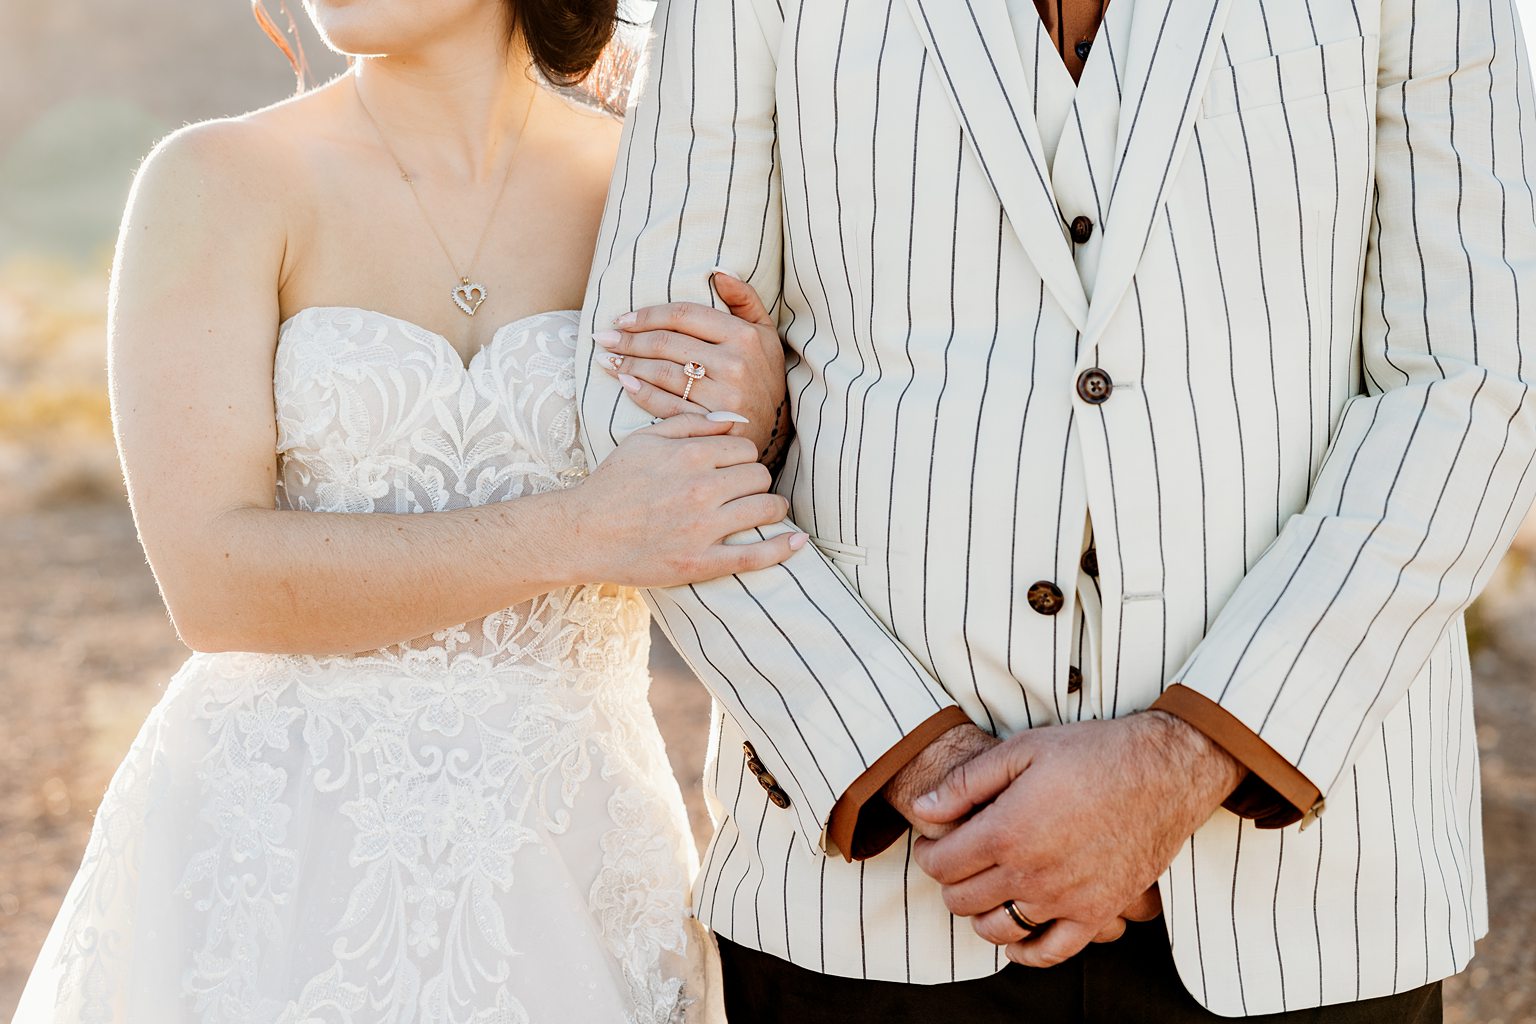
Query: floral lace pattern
{"points": [[477, 825]]}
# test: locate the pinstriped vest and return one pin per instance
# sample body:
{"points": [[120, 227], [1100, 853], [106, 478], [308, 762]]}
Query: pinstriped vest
{"points": [[1078, 139]]}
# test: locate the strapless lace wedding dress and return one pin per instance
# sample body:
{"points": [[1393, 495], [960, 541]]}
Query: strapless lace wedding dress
{"points": [[477, 825]]}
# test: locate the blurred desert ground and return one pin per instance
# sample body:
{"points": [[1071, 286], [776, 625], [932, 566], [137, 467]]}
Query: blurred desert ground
{"points": [[85, 647]]}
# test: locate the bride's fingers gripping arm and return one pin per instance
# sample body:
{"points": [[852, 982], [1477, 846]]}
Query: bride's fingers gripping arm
{"points": [[737, 351], [193, 329]]}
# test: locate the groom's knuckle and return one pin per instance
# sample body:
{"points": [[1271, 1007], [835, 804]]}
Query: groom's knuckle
{"points": [[988, 930], [1028, 877], [943, 872], [1050, 957]]}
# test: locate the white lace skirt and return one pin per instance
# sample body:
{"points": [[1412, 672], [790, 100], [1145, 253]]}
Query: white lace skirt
{"points": [[406, 839]]}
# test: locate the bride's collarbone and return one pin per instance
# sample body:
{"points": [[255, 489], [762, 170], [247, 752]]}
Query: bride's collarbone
{"points": [[359, 238], [403, 276], [374, 256]]}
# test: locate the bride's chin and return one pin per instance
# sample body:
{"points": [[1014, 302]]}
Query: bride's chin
{"points": [[365, 27], [374, 27]]}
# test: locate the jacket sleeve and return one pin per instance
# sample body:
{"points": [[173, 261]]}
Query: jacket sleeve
{"points": [[1428, 473], [800, 663]]}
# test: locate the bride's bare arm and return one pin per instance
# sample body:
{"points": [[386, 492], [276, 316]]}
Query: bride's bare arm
{"points": [[193, 327]]}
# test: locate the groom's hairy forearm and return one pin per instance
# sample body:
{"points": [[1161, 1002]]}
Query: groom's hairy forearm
{"points": [[929, 767]]}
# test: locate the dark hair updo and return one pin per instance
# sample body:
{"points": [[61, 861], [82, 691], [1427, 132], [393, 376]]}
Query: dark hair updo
{"points": [[565, 38]]}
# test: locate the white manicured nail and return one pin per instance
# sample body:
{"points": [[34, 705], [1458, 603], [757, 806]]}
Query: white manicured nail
{"points": [[725, 416], [727, 273]]}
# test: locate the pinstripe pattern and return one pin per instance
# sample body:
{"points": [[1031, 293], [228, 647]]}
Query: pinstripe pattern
{"points": [[1313, 457]]}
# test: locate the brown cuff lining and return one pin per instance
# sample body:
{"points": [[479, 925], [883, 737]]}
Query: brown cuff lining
{"points": [[1276, 793], [862, 824]]}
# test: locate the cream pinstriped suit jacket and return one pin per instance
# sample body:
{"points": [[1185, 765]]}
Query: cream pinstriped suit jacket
{"points": [[1313, 282]]}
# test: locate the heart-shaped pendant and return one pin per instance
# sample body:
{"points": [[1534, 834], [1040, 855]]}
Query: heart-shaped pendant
{"points": [[468, 296]]}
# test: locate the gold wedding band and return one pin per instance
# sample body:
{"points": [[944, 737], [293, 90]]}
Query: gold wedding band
{"points": [[695, 373], [1019, 919]]}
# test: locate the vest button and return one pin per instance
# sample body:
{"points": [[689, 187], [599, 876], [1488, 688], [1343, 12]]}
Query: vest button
{"points": [[1090, 562], [1074, 679], [1045, 597], [1082, 48], [1094, 386], [1081, 229]]}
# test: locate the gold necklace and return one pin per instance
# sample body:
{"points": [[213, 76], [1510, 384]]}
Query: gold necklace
{"points": [[467, 294]]}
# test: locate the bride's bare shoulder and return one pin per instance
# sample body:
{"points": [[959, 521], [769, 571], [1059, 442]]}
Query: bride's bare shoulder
{"points": [[253, 160], [251, 154]]}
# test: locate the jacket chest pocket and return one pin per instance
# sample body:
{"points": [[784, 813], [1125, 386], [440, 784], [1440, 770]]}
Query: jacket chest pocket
{"points": [[1344, 66]]}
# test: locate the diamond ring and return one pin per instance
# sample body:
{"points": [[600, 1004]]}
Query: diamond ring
{"points": [[695, 373]]}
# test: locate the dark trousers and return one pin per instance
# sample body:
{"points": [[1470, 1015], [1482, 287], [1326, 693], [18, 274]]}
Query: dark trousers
{"points": [[1131, 981]]}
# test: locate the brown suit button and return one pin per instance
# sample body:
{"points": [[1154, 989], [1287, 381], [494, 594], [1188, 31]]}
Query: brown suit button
{"points": [[1090, 562], [1074, 679], [750, 751], [1082, 229], [778, 797], [1045, 598], [1094, 386], [765, 778]]}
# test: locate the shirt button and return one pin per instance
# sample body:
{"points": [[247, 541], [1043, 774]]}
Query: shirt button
{"points": [[1081, 229], [1090, 562], [1082, 48], [1074, 679], [1094, 386], [1045, 597]]}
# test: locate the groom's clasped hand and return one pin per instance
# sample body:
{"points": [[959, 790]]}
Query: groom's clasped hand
{"points": [[1071, 823]]}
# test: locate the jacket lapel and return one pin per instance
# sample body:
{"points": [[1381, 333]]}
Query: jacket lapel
{"points": [[1173, 45], [972, 43]]}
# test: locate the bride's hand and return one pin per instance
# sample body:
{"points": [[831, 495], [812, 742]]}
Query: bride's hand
{"points": [[657, 511], [738, 353]]}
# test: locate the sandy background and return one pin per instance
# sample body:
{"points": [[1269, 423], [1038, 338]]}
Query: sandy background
{"points": [[85, 646]]}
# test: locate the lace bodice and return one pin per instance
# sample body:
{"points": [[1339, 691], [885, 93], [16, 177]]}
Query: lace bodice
{"points": [[377, 414]]}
